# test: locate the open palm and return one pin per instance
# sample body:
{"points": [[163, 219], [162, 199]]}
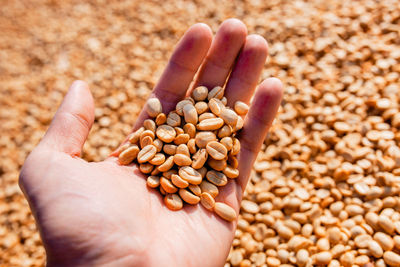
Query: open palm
{"points": [[103, 213]]}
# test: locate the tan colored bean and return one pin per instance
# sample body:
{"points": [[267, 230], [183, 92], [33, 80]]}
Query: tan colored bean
{"points": [[190, 129], [206, 115], [202, 138], [200, 93], [149, 125], [128, 155], [233, 162], [146, 154], [216, 150], [166, 133], [170, 149], [207, 187], [215, 106], [188, 197], [173, 119], [153, 107], [146, 168], [121, 148], [201, 107], [182, 160], [181, 139], [323, 257], [191, 144], [178, 130], [375, 249], [210, 124], [236, 147], [173, 201], [195, 189], [239, 124], [227, 142], [218, 165], [145, 141], [229, 116], [190, 175], [161, 119], [183, 149], [224, 211], [190, 114], [199, 158], [153, 181], [158, 144], [216, 92], [167, 185], [384, 240], [135, 136], [231, 172], [202, 171], [302, 257], [225, 131], [217, 178], [181, 104], [224, 101], [241, 108], [386, 224], [168, 164], [178, 181], [155, 172], [207, 201], [168, 174], [147, 133], [158, 159], [391, 258]]}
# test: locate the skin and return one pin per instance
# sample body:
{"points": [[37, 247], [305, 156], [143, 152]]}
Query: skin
{"points": [[103, 214]]}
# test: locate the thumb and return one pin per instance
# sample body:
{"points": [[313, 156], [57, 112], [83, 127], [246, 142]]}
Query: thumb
{"points": [[71, 124]]}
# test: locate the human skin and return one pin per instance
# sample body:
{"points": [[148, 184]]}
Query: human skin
{"points": [[102, 213]]}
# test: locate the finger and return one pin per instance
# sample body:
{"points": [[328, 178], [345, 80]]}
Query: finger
{"points": [[181, 68], [246, 73], [224, 49], [262, 112], [71, 124]]}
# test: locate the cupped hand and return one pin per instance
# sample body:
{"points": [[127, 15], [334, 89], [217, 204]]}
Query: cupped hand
{"points": [[103, 213]]}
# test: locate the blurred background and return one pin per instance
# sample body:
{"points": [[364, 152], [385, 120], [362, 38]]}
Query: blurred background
{"points": [[336, 138]]}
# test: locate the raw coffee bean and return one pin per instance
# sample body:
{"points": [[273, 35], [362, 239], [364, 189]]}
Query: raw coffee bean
{"points": [[183, 149], [207, 201], [188, 197], [158, 159], [170, 149], [146, 154], [190, 114], [128, 155], [161, 119], [190, 129], [199, 158], [173, 119], [178, 181], [153, 181], [200, 93], [195, 189], [182, 160], [231, 172], [173, 202], [190, 175], [241, 108], [217, 178], [146, 167], [167, 185], [192, 146], [229, 116], [227, 142], [224, 211], [323, 257], [201, 107], [391, 258], [236, 147], [149, 125], [168, 174], [216, 92], [135, 136], [375, 249], [155, 172], [158, 144], [178, 130], [225, 131], [218, 165], [166, 133], [118, 151], [216, 150], [153, 107], [145, 141], [168, 164], [181, 104], [202, 171], [209, 188], [202, 138], [181, 139], [215, 106], [224, 101], [206, 116], [147, 133], [239, 124], [210, 124], [162, 191]]}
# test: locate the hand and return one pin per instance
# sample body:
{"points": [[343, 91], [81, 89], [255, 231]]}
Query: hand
{"points": [[103, 213]]}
